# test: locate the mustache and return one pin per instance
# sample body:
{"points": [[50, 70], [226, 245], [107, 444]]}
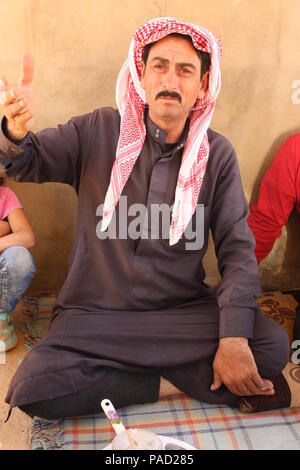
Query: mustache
{"points": [[171, 94]]}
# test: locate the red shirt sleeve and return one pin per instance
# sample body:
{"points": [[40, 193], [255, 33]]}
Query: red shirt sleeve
{"points": [[279, 193]]}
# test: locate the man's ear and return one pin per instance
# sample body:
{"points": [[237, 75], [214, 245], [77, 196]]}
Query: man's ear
{"points": [[143, 75], [203, 85]]}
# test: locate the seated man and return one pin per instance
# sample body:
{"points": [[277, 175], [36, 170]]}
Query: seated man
{"points": [[134, 319], [279, 194], [16, 263]]}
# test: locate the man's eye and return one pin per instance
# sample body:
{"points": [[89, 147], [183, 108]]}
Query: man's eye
{"points": [[159, 66], [186, 71]]}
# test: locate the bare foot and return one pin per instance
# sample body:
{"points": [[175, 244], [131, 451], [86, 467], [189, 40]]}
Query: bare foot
{"points": [[166, 389]]}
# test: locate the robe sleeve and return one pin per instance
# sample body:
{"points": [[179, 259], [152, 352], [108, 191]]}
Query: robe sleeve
{"points": [[234, 246], [279, 192], [51, 155]]}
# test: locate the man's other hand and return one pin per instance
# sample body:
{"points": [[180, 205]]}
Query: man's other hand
{"points": [[16, 101], [235, 367]]}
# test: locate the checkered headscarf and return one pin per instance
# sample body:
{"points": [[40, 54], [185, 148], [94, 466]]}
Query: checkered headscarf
{"points": [[131, 103]]}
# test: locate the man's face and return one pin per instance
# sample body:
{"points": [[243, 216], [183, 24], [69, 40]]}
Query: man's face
{"points": [[172, 79]]}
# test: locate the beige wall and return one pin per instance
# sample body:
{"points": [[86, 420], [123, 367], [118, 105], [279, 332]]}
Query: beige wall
{"points": [[79, 48]]}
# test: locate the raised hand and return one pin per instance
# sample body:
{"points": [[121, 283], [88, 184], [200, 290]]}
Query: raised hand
{"points": [[17, 100]]}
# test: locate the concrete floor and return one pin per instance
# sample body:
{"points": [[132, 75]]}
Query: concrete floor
{"points": [[14, 435]]}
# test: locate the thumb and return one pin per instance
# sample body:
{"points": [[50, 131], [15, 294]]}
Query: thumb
{"points": [[3, 88], [27, 70], [217, 381], [3, 82]]}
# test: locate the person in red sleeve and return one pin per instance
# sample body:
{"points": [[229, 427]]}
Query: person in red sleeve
{"points": [[279, 194]]}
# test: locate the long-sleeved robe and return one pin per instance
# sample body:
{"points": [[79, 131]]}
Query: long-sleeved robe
{"points": [[136, 303]]}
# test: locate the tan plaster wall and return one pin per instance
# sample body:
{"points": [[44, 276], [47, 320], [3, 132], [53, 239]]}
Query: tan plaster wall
{"points": [[79, 48]]}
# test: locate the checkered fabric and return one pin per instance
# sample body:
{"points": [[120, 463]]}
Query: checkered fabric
{"points": [[206, 427]]}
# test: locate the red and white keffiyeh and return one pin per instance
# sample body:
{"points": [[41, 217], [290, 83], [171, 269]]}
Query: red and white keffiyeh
{"points": [[131, 103]]}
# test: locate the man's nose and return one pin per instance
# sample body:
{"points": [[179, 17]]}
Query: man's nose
{"points": [[171, 80]]}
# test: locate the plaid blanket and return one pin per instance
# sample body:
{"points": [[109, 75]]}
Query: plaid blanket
{"points": [[202, 425], [206, 427]]}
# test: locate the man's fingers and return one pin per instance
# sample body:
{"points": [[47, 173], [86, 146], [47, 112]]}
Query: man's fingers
{"points": [[22, 119], [18, 113], [235, 390], [268, 384], [249, 388], [10, 97], [2, 97], [262, 384], [3, 83], [3, 87], [255, 384], [16, 107], [252, 388], [27, 70]]}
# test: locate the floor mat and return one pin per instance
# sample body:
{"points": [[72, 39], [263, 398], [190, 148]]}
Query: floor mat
{"points": [[205, 427], [38, 310]]}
